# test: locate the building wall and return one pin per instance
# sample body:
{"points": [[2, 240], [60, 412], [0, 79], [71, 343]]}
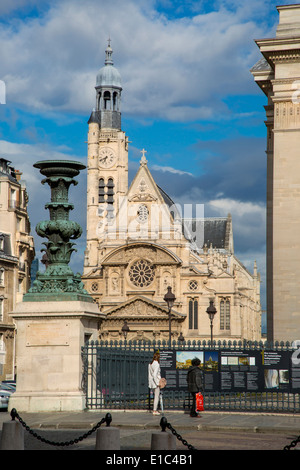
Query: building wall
{"points": [[16, 254], [280, 82]]}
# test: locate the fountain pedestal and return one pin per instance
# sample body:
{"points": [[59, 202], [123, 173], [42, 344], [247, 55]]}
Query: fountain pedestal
{"points": [[57, 316]]}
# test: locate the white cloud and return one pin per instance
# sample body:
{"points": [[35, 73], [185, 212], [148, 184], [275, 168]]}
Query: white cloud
{"points": [[239, 208], [169, 169], [176, 69], [249, 221], [23, 156]]}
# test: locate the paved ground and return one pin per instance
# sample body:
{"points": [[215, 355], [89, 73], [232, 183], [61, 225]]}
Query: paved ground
{"points": [[213, 431]]}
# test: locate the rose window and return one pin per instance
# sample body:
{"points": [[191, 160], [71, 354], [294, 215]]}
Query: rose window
{"points": [[143, 214], [141, 273], [94, 287]]}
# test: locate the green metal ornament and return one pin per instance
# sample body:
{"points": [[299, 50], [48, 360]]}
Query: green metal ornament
{"points": [[58, 282]]}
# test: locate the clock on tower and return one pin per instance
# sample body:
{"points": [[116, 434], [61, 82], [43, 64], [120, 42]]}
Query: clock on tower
{"points": [[107, 157]]}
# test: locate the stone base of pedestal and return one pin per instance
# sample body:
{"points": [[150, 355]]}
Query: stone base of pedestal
{"points": [[49, 341], [46, 402]]}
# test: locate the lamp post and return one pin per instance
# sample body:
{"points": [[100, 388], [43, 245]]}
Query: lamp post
{"points": [[170, 299], [125, 329], [211, 311]]}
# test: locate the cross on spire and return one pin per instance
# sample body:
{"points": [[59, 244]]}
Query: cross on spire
{"points": [[143, 159], [108, 52]]}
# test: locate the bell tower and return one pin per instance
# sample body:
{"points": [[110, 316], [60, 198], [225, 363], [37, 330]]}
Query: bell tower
{"points": [[107, 166]]}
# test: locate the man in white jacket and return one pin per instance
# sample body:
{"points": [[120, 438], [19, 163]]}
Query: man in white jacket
{"points": [[153, 380]]}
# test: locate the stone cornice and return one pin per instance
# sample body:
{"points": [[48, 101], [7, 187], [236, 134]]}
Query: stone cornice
{"points": [[284, 56]]}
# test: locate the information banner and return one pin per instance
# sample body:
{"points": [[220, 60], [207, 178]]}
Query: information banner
{"points": [[229, 370], [240, 371], [175, 365]]}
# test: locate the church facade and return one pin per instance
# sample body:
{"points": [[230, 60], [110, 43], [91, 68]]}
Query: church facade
{"points": [[140, 243]]}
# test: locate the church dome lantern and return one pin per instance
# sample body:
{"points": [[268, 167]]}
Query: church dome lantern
{"points": [[108, 94], [108, 76]]}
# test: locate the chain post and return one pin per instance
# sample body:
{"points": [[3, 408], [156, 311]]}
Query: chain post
{"points": [[15, 414], [108, 419], [163, 424]]}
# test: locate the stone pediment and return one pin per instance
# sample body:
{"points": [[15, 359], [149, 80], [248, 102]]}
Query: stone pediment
{"points": [[153, 253], [143, 187], [141, 308], [224, 275]]}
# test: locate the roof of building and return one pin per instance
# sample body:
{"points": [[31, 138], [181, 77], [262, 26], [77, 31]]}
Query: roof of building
{"points": [[212, 231], [261, 66], [108, 76], [94, 117], [7, 170]]}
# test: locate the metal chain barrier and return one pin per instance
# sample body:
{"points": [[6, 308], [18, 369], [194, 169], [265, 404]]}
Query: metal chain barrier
{"points": [[164, 424], [292, 444], [14, 414]]}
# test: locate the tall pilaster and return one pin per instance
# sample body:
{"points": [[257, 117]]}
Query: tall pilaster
{"points": [[281, 79]]}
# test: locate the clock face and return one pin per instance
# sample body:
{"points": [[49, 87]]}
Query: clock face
{"points": [[107, 157]]}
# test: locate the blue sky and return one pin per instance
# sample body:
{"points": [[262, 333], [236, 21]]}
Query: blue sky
{"points": [[188, 98]]}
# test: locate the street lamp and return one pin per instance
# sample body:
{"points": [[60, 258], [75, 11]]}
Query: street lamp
{"points": [[211, 311], [125, 329], [170, 299]]}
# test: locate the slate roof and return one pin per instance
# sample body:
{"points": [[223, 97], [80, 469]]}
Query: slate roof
{"points": [[212, 231], [95, 117], [261, 66], [7, 170], [168, 201], [215, 231]]}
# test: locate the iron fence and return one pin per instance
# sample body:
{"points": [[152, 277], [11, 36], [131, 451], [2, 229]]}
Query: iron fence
{"points": [[115, 376]]}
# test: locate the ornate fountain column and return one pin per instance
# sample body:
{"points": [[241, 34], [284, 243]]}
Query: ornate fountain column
{"points": [[58, 282], [57, 316]]}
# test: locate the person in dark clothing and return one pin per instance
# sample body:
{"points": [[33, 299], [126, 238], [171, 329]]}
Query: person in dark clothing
{"points": [[195, 385]]}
